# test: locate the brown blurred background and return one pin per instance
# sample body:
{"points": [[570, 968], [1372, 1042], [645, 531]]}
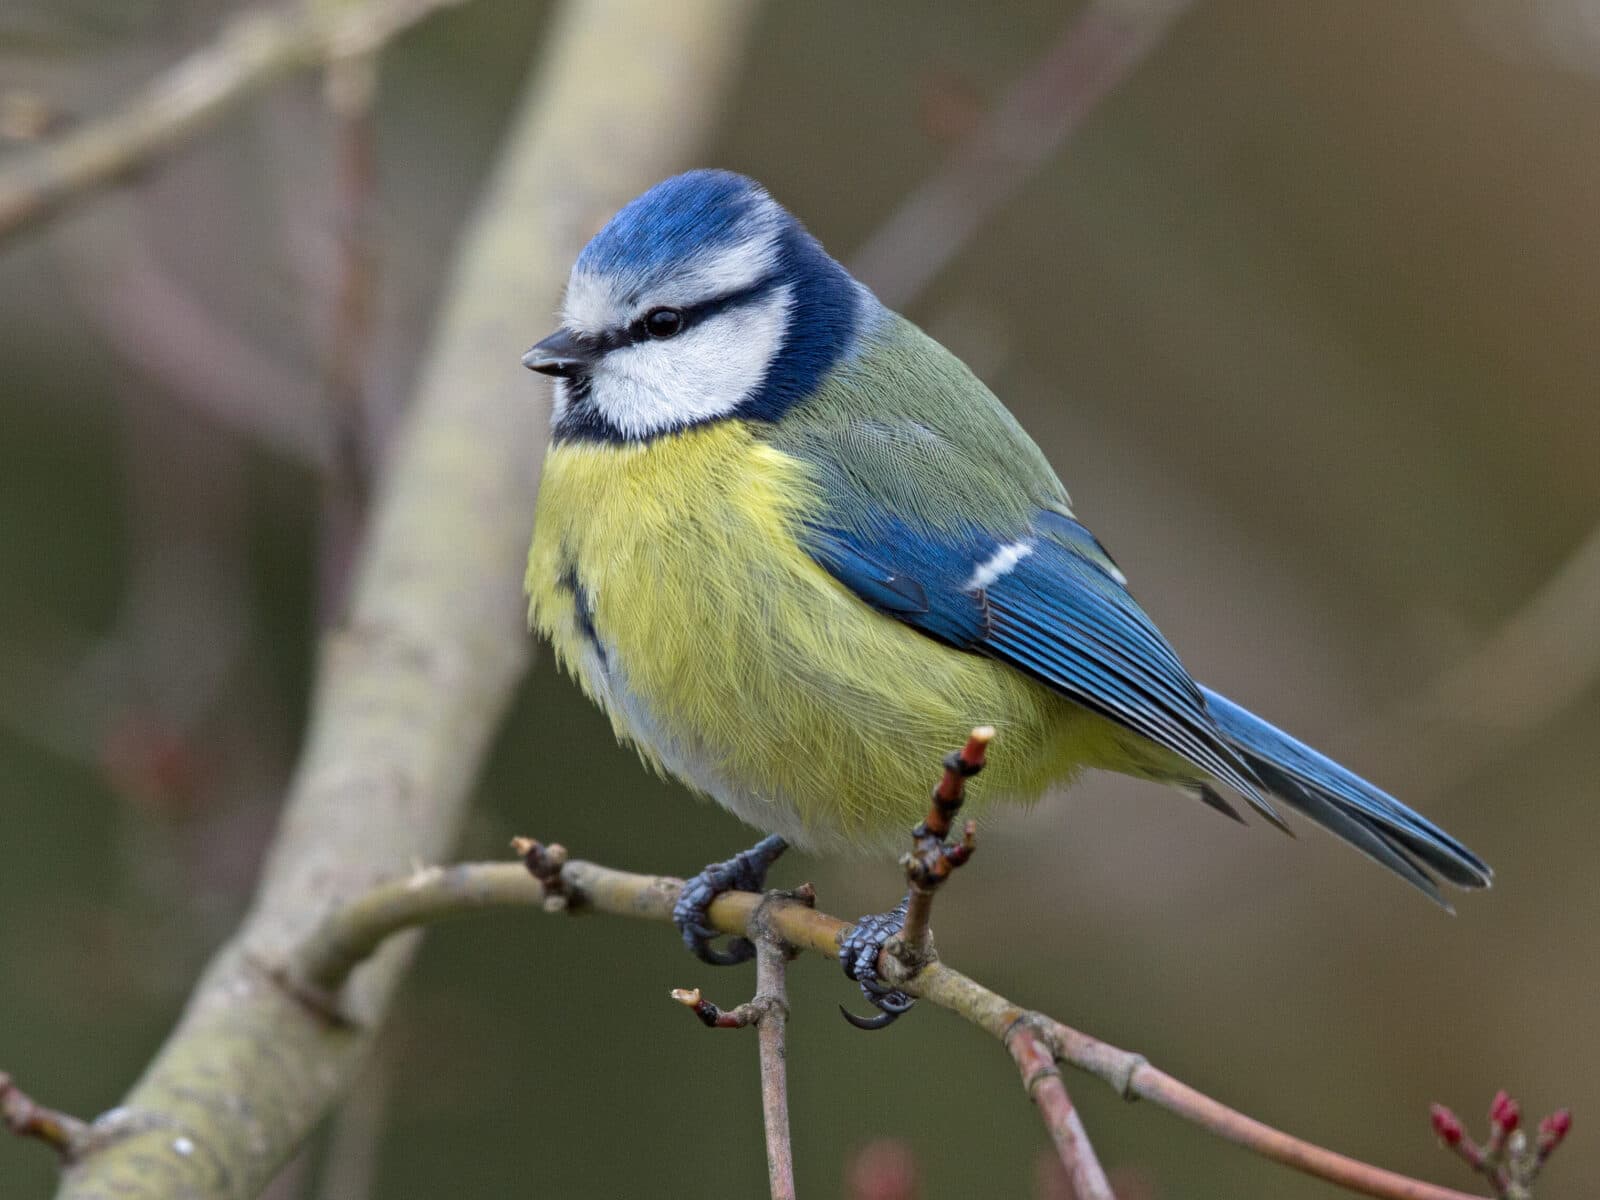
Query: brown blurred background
{"points": [[1304, 315]]}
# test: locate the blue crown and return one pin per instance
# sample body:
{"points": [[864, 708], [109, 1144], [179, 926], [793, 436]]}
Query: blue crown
{"points": [[678, 219]]}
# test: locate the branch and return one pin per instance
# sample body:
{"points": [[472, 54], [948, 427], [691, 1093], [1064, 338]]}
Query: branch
{"points": [[1540, 660], [189, 352], [931, 860], [768, 1011], [252, 51], [436, 894], [349, 89], [26, 1117], [1041, 1079], [1100, 48], [772, 961], [409, 691]]}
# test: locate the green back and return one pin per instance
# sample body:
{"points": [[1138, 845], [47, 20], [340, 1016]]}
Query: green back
{"points": [[904, 427]]}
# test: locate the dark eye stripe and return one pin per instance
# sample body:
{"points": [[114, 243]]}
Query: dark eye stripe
{"points": [[693, 314]]}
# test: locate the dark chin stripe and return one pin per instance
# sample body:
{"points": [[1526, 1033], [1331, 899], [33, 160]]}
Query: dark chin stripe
{"points": [[582, 421], [823, 320]]}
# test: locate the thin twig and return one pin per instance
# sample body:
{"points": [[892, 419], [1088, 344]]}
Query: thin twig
{"points": [[1135, 1079], [768, 1011], [1531, 669], [252, 51], [188, 350], [931, 860], [441, 893], [772, 962], [1099, 49], [349, 89], [26, 1117], [1041, 1079]]}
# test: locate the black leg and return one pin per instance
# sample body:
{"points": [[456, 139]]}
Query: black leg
{"points": [[858, 955], [746, 872]]}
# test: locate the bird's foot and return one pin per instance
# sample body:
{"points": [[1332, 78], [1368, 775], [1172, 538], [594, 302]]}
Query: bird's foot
{"points": [[744, 872], [858, 955]]}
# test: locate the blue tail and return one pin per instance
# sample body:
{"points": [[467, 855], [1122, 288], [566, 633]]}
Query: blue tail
{"points": [[1348, 806]]}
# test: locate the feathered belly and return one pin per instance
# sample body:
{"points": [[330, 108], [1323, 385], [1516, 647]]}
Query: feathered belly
{"points": [[669, 580]]}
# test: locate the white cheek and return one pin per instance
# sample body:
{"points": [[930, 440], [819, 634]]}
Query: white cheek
{"points": [[704, 373]]}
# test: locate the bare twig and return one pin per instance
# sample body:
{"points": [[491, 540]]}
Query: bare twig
{"points": [[156, 325], [931, 859], [441, 893], [252, 51], [349, 88], [880, 960], [1041, 1079], [713, 1016], [768, 1011], [1099, 49], [26, 1117], [772, 961], [1136, 1079], [1530, 670]]}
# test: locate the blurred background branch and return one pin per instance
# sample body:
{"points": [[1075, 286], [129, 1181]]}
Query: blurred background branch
{"points": [[411, 688], [349, 86], [254, 50], [1098, 48], [1542, 660]]}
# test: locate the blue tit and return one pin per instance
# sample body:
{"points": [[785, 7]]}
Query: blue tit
{"points": [[796, 551]]}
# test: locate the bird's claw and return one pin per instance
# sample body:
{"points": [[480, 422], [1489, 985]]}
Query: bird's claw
{"points": [[858, 955], [744, 872]]}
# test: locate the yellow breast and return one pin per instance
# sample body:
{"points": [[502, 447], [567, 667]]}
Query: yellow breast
{"points": [[668, 577]]}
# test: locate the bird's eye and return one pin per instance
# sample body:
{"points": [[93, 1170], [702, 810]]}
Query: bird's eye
{"points": [[663, 322]]}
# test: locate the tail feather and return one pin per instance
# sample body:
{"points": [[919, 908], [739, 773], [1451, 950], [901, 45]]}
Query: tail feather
{"points": [[1346, 805]]}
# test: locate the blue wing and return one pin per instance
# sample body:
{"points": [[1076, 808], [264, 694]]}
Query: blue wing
{"points": [[1049, 601]]}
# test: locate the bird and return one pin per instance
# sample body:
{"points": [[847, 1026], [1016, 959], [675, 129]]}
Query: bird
{"points": [[795, 549]]}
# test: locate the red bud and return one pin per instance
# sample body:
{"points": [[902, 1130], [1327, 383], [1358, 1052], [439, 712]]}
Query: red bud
{"points": [[1447, 1125], [1553, 1129], [1505, 1113]]}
